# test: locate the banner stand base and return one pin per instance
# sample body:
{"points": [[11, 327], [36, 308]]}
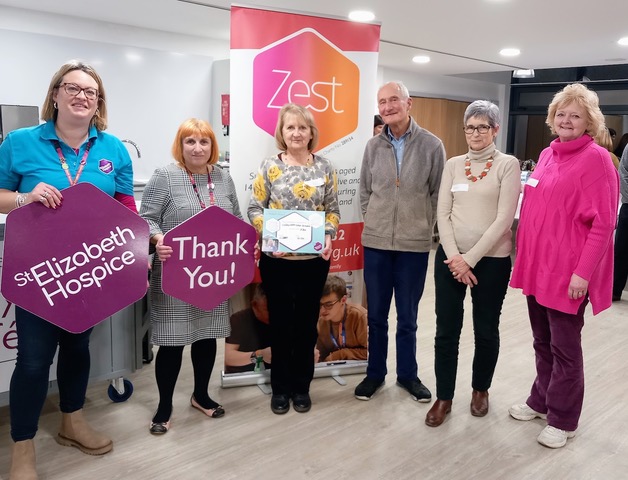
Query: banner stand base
{"points": [[331, 369], [265, 388]]}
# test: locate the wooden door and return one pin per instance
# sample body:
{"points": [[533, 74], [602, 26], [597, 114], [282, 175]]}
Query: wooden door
{"points": [[444, 119]]}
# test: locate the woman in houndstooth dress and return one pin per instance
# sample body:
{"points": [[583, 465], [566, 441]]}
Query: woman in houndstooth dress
{"points": [[175, 193]]}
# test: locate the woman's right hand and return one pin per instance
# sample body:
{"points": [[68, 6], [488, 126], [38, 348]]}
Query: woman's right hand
{"points": [[48, 195], [468, 279]]}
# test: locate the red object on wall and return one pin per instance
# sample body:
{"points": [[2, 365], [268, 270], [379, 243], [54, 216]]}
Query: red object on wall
{"points": [[224, 109]]}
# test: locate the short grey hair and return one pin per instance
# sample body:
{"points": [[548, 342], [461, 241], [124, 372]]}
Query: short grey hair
{"points": [[484, 109], [403, 90]]}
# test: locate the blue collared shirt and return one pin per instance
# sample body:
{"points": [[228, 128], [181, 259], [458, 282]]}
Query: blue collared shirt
{"points": [[28, 156], [399, 146]]}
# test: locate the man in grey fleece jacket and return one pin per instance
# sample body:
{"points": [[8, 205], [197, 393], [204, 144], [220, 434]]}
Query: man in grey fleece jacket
{"points": [[399, 182]]}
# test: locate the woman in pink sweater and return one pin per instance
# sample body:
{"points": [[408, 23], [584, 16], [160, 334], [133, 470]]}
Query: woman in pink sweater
{"points": [[565, 257]]}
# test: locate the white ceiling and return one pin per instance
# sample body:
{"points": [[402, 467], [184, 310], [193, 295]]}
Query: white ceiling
{"points": [[460, 36]]}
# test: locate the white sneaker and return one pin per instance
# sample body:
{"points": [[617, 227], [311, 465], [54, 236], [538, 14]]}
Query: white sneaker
{"points": [[525, 413], [553, 437]]}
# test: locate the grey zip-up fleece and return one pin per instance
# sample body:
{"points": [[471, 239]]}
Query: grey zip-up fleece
{"points": [[401, 216]]}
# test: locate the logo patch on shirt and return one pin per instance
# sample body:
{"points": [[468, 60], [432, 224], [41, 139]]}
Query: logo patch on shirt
{"points": [[105, 166]]}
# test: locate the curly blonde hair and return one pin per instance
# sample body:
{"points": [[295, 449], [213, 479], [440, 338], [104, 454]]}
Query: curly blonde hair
{"points": [[583, 97]]}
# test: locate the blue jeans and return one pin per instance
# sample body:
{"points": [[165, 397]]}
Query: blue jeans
{"points": [[385, 272], [37, 342]]}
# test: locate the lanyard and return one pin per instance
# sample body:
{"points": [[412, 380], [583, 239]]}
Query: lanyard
{"points": [[64, 163], [210, 188], [341, 330]]}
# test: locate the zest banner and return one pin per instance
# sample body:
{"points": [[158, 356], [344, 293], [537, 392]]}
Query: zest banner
{"points": [[327, 65]]}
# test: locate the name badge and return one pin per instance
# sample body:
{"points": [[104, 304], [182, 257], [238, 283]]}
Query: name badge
{"points": [[317, 182], [460, 187], [533, 182]]}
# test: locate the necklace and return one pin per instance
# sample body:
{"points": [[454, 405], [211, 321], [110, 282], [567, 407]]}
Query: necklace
{"points": [[210, 188], [473, 178], [308, 161]]}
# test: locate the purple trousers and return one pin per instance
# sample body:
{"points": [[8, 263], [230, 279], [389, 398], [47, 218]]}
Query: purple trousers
{"points": [[558, 389]]}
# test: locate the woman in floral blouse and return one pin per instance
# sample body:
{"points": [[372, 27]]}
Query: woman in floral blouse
{"points": [[294, 179]]}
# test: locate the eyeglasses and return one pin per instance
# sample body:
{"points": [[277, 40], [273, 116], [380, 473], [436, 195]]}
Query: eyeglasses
{"points": [[469, 129], [329, 305], [73, 89]]}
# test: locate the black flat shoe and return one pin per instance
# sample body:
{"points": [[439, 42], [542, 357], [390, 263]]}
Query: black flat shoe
{"points": [[159, 428], [301, 402], [280, 404], [215, 412]]}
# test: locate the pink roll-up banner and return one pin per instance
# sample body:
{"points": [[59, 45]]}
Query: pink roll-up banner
{"points": [[328, 65]]}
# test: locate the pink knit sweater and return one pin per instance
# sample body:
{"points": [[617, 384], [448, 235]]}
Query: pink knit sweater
{"points": [[566, 225]]}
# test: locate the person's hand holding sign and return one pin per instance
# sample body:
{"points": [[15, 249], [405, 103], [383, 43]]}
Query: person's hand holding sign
{"points": [[49, 196], [163, 251]]}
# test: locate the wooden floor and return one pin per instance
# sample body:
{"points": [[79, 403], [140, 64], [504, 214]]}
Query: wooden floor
{"points": [[344, 438]]}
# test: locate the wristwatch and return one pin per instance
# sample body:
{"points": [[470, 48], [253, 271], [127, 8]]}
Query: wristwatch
{"points": [[254, 357]]}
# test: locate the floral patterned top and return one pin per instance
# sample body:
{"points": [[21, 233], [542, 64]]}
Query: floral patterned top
{"points": [[292, 187]]}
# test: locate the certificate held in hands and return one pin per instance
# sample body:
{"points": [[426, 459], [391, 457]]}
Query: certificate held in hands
{"points": [[293, 231]]}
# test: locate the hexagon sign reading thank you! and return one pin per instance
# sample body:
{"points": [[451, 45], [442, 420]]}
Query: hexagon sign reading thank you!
{"points": [[78, 264], [212, 258], [307, 69]]}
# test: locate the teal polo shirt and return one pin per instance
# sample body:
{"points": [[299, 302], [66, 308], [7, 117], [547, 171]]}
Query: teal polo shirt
{"points": [[28, 156]]}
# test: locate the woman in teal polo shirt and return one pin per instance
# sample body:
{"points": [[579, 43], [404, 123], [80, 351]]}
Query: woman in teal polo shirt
{"points": [[35, 164]]}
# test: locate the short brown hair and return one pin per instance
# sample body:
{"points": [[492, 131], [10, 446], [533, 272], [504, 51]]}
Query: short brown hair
{"points": [[48, 110], [335, 284], [580, 95], [189, 128], [305, 115]]}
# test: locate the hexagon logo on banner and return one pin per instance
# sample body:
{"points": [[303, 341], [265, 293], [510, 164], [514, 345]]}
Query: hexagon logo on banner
{"points": [[307, 69], [78, 264], [212, 259]]}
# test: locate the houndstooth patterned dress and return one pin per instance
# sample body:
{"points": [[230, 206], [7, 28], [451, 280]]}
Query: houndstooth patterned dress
{"points": [[168, 200]]}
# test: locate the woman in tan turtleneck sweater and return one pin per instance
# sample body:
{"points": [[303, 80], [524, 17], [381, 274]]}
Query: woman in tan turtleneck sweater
{"points": [[477, 200]]}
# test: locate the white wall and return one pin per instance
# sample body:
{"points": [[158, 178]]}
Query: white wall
{"points": [[152, 80]]}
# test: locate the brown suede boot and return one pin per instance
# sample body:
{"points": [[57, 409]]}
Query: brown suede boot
{"points": [[23, 461], [76, 432]]}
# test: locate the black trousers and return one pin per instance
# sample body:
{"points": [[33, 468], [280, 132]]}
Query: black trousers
{"points": [[293, 291], [621, 252], [488, 296]]}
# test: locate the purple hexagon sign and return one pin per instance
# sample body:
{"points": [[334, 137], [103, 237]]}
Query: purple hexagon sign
{"points": [[212, 259], [78, 264]]}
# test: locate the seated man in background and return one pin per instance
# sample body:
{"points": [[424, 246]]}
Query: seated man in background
{"points": [[247, 349], [342, 326]]}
